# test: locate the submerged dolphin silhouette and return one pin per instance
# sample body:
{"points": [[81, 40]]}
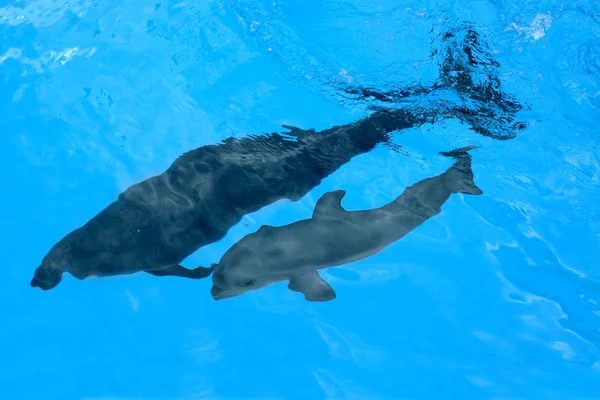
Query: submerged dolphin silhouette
{"points": [[334, 236], [155, 224]]}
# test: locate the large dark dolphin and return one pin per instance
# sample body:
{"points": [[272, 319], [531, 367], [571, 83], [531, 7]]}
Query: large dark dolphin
{"points": [[155, 224], [334, 236]]}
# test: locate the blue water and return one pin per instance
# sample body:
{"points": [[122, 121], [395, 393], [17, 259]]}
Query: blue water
{"points": [[496, 297]]}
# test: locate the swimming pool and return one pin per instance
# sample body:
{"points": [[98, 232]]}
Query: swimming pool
{"points": [[495, 297]]}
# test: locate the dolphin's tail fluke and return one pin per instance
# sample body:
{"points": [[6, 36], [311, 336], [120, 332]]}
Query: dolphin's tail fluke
{"points": [[459, 177], [468, 88]]}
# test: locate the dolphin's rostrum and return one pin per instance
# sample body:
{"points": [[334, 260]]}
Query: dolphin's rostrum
{"points": [[334, 236]]}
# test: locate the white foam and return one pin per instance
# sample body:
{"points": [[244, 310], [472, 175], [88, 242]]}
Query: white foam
{"points": [[538, 27]]}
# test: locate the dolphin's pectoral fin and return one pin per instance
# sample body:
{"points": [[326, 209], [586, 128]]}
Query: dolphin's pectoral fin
{"points": [[183, 272], [330, 204], [312, 286]]}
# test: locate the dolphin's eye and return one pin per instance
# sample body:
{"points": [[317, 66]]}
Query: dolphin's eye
{"points": [[250, 282]]}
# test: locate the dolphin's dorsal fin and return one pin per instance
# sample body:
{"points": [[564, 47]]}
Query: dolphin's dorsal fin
{"points": [[264, 228], [312, 286], [329, 205], [298, 132]]}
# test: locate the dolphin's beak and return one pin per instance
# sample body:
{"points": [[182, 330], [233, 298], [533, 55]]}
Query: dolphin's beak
{"points": [[35, 282], [220, 294], [46, 278]]}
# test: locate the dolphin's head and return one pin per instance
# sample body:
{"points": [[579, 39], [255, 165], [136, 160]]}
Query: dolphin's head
{"points": [[58, 260], [239, 272], [46, 277], [229, 283]]}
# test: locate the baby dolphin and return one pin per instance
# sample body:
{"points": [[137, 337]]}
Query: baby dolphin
{"points": [[334, 236]]}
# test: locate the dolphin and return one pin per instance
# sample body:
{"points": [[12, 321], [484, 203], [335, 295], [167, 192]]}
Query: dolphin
{"points": [[334, 236], [155, 224]]}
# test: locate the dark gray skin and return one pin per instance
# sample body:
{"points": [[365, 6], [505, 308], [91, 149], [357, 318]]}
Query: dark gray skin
{"points": [[334, 236], [155, 224]]}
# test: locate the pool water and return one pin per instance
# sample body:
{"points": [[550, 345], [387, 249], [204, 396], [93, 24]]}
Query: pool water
{"points": [[495, 297]]}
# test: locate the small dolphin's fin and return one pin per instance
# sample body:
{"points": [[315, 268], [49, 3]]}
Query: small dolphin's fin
{"points": [[329, 205], [297, 132], [312, 286], [183, 272], [459, 177]]}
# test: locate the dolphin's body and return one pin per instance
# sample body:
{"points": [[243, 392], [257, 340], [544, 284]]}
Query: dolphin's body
{"points": [[333, 236], [155, 224]]}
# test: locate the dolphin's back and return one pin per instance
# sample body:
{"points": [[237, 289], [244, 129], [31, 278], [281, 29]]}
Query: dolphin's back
{"points": [[208, 190]]}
